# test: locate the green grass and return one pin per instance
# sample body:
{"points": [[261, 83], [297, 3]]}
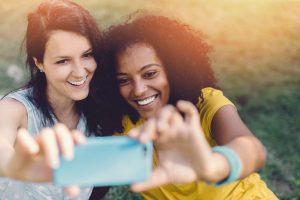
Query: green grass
{"points": [[273, 116], [256, 59]]}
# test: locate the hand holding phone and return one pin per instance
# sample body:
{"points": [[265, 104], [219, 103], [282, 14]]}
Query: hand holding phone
{"points": [[106, 161]]}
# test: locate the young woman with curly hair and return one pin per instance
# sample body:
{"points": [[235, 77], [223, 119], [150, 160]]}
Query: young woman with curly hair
{"points": [[203, 149]]}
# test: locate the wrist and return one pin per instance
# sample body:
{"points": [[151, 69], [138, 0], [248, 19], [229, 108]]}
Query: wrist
{"points": [[5, 159], [3, 170], [217, 170], [234, 165]]}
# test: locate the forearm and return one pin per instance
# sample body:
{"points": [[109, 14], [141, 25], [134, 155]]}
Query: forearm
{"points": [[250, 152], [6, 153], [229, 130]]}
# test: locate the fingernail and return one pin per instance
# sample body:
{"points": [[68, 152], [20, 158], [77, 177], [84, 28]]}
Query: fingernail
{"points": [[55, 164], [34, 148], [69, 156], [160, 126], [144, 139]]}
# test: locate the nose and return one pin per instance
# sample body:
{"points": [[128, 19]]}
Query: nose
{"points": [[139, 88], [78, 69]]}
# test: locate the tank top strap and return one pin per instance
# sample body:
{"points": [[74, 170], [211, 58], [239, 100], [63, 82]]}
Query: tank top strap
{"points": [[34, 115]]}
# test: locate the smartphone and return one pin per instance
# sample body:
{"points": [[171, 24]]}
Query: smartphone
{"points": [[106, 161]]}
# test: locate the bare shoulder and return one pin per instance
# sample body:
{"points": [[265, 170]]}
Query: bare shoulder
{"points": [[12, 112], [227, 125]]}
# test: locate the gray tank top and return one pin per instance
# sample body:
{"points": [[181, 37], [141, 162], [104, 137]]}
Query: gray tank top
{"points": [[18, 190]]}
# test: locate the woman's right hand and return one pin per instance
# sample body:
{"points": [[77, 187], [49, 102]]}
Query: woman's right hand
{"points": [[35, 158]]}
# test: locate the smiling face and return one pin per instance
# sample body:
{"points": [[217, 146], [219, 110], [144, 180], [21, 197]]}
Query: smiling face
{"points": [[68, 65], [142, 79]]}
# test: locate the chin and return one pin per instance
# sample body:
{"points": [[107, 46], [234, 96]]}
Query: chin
{"points": [[147, 115], [80, 97]]}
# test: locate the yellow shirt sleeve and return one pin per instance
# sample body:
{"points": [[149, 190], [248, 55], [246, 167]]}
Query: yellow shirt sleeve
{"points": [[213, 100]]}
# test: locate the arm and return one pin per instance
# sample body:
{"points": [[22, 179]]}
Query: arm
{"points": [[183, 152], [228, 129], [26, 158], [13, 115]]}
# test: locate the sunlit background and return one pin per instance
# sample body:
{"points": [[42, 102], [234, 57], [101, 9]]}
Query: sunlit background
{"points": [[256, 60]]}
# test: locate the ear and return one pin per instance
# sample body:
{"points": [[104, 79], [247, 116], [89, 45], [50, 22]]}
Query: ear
{"points": [[38, 64]]}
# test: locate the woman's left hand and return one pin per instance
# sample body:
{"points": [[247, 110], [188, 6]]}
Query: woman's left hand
{"points": [[183, 152]]}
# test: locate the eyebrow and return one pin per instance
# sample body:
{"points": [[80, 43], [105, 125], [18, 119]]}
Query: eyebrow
{"points": [[85, 52], [143, 68]]}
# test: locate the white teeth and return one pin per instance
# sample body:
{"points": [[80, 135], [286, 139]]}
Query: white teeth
{"points": [[146, 101], [77, 83]]}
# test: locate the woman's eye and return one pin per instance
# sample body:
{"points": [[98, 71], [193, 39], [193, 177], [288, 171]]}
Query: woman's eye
{"points": [[88, 55], [150, 74], [123, 81], [61, 62]]}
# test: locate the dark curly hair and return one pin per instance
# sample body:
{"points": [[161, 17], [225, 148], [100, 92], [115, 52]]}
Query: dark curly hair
{"points": [[182, 50]]}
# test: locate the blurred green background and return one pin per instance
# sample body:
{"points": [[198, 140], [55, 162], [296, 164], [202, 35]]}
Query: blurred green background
{"points": [[256, 60]]}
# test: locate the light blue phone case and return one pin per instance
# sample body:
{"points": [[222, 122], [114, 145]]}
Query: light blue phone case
{"points": [[104, 161]]}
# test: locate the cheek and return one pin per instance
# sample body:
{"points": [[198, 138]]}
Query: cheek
{"points": [[163, 84], [91, 65], [166, 91], [124, 91], [58, 73]]}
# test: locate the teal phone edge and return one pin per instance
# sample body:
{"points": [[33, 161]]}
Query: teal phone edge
{"points": [[106, 161]]}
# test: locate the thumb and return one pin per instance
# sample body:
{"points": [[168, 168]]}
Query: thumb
{"points": [[158, 178], [25, 143], [189, 110], [72, 190]]}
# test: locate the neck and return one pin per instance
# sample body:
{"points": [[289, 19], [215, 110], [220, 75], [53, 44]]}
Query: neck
{"points": [[65, 111]]}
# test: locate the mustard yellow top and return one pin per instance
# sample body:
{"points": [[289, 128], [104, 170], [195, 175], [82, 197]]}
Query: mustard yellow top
{"points": [[249, 188]]}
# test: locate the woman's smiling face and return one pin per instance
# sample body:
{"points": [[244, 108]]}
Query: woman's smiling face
{"points": [[68, 65], [142, 79]]}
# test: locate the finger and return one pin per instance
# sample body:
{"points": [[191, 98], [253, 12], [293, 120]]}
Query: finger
{"points": [[26, 143], [169, 124], [72, 190], [175, 120], [149, 131], [145, 132], [78, 137], [65, 141], [48, 144], [135, 133], [163, 118], [158, 178], [189, 110]]}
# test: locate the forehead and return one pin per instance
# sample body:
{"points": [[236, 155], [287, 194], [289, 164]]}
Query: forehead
{"points": [[137, 56], [137, 47], [65, 43]]}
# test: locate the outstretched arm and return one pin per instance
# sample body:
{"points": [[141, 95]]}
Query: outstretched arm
{"points": [[183, 152], [13, 115], [28, 158], [228, 129]]}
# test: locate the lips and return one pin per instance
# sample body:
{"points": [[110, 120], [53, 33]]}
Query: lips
{"points": [[147, 100], [79, 82]]}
